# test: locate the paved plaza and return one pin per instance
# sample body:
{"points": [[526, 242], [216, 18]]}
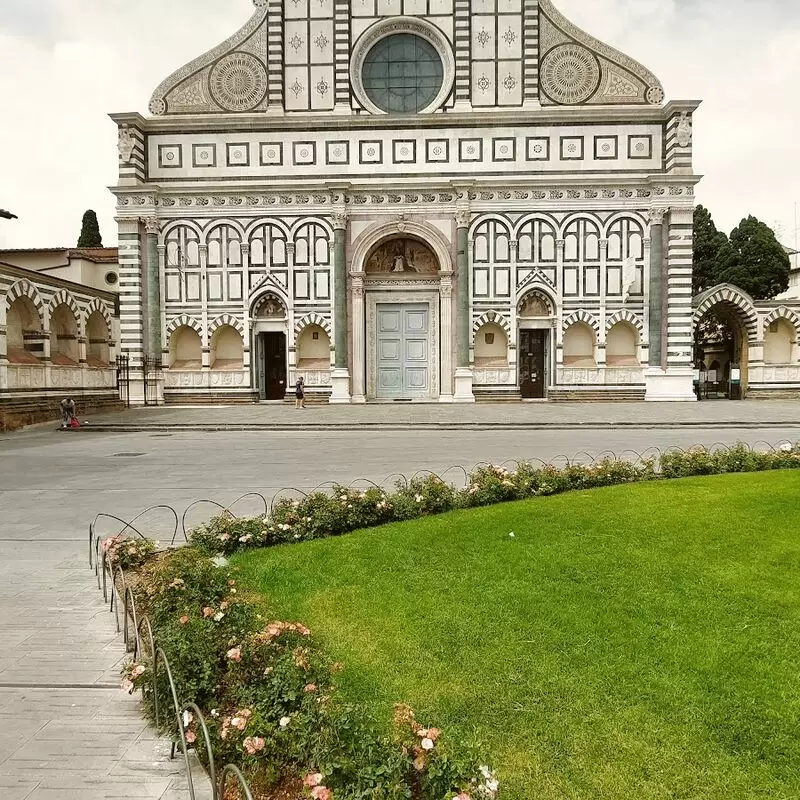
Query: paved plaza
{"points": [[66, 730]]}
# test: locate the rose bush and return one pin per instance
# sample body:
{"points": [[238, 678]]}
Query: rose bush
{"points": [[268, 691]]}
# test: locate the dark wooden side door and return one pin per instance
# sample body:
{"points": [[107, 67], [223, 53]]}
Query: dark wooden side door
{"points": [[531, 364], [275, 365]]}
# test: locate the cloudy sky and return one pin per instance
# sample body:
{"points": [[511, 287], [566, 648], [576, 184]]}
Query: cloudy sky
{"points": [[66, 64]]}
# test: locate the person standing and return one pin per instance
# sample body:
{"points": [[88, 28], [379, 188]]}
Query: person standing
{"points": [[300, 393]]}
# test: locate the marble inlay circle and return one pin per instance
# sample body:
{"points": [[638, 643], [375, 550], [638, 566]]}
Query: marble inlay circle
{"points": [[239, 82], [570, 74]]}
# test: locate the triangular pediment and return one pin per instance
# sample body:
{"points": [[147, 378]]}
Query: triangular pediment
{"points": [[250, 71]]}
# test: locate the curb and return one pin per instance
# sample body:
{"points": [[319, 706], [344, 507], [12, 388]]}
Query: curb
{"points": [[427, 426]]}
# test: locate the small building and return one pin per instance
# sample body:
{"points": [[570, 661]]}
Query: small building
{"points": [[59, 331]]}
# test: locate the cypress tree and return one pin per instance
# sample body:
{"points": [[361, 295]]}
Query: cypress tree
{"points": [[90, 231]]}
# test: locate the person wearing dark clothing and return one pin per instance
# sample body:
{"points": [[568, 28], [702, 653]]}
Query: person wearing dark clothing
{"points": [[300, 393]]}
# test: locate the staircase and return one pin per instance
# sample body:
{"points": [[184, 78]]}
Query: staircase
{"points": [[597, 394]]}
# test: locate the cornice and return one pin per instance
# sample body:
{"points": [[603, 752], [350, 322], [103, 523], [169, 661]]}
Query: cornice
{"points": [[573, 195], [327, 121]]}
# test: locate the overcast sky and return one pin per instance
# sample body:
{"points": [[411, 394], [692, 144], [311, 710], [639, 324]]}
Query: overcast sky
{"points": [[66, 64]]}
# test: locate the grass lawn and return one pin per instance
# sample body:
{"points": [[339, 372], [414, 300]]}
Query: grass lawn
{"points": [[630, 643]]}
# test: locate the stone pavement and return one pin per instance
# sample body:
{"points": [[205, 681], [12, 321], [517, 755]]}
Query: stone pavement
{"points": [[400, 416], [67, 731]]}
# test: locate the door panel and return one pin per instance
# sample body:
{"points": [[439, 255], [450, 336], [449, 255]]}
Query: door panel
{"points": [[403, 349], [532, 353], [275, 365]]}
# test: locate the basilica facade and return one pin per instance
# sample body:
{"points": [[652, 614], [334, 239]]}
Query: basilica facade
{"points": [[409, 200]]}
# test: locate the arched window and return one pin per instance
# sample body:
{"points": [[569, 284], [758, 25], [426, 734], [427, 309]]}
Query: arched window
{"points": [[491, 346], [268, 247], [625, 261], [186, 349], [64, 337], [224, 247], [97, 335], [580, 343], [227, 350], [22, 320], [622, 345], [183, 248], [779, 339], [313, 349]]}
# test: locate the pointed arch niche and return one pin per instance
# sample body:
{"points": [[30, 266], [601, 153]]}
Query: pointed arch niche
{"points": [[536, 342]]}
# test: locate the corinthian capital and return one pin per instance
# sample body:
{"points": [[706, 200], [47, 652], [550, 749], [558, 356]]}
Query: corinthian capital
{"points": [[339, 221], [152, 226], [656, 215]]}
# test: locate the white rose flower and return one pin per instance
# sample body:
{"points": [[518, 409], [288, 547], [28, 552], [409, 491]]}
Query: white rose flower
{"points": [[284, 723], [427, 744]]}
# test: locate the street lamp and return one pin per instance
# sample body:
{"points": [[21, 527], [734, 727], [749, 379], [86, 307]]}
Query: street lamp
{"points": [[7, 214]]}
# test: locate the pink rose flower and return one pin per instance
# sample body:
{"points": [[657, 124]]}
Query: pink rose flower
{"points": [[191, 737], [235, 654], [313, 779], [321, 793], [311, 687], [254, 744], [208, 612], [184, 619]]}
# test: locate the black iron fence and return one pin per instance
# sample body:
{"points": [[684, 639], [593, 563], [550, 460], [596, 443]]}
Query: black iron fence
{"points": [[123, 379]]}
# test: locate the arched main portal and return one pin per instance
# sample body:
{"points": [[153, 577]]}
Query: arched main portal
{"points": [[721, 353], [402, 314]]}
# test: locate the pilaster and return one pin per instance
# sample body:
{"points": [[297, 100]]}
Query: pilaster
{"points": [[463, 33], [446, 339], [275, 55], [246, 321], [340, 375], [359, 339], [463, 373], [152, 229], [341, 31], [530, 54], [206, 355]]}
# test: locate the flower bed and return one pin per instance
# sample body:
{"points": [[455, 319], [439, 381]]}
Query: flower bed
{"points": [[344, 509], [268, 695], [266, 689]]}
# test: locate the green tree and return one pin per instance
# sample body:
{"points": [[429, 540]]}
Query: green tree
{"points": [[708, 244], [90, 231], [754, 261]]}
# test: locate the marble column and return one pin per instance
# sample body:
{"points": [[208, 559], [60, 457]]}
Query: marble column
{"points": [[152, 229], [656, 305], [340, 376], [463, 373]]}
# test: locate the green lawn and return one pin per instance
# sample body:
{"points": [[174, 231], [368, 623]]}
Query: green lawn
{"points": [[630, 643]]}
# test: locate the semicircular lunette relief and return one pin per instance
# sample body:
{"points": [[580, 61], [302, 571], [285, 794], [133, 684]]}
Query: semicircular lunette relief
{"points": [[570, 74], [238, 82]]}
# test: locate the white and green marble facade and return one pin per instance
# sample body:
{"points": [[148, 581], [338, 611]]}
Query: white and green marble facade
{"points": [[547, 167]]}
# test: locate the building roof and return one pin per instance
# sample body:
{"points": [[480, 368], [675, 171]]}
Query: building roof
{"points": [[98, 255]]}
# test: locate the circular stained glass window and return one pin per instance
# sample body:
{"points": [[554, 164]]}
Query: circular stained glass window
{"points": [[403, 73]]}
